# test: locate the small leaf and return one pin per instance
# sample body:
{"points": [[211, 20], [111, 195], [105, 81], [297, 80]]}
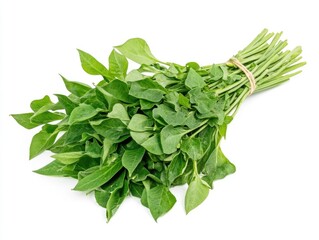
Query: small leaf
{"points": [[194, 80], [67, 103], [216, 72], [56, 168], [91, 66], [171, 137], [111, 128], [24, 120], [137, 50], [46, 117], [120, 91], [196, 193], [183, 101], [153, 145], [176, 168], [118, 65], [68, 157], [147, 89], [102, 195], [119, 112], [140, 137], [82, 113], [192, 147], [77, 88], [140, 123], [166, 115], [39, 103], [93, 149], [160, 200], [131, 159], [115, 200], [134, 75], [42, 140], [99, 177]]}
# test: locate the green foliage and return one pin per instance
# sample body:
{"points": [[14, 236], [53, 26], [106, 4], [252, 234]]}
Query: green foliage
{"points": [[157, 126]]}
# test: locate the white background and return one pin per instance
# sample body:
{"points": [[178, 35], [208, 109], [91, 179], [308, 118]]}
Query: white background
{"points": [[273, 140]]}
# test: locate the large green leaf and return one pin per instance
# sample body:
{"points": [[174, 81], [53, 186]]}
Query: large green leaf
{"points": [[194, 80], [147, 89], [160, 200], [115, 200], [171, 137], [137, 50], [118, 65], [131, 158], [68, 157], [43, 140], [93, 66], [77, 88], [120, 91], [24, 120], [196, 193], [82, 113], [99, 177]]}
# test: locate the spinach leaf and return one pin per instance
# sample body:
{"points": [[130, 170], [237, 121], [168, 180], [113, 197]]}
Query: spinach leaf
{"points": [[160, 200], [131, 158], [196, 193], [137, 50], [99, 177], [118, 65], [91, 66]]}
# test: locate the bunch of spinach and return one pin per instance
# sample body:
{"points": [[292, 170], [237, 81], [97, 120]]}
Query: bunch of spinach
{"points": [[142, 132]]}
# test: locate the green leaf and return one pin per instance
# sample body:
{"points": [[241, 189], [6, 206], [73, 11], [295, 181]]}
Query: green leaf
{"points": [[120, 91], [140, 123], [118, 65], [82, 113], [67, 103], [115, 200], [194, 80], [216, 72], [24, 120], [103, 194], [183, 101], [99, 177], [131, 159], [111, 128], [56, 168], [136, 189], [77, 88], [46, 117], [134, 75], [137, 50], [176, 168], [147, 89], [91, 66], [39, 103], [68, 157], [192, 147], [196, 193], [75, 132], [119, 112], [171, 137], [160, 200], [42, 140], [93, 149], [166, 115], [217, 166], [153, 145], [140, 137]]}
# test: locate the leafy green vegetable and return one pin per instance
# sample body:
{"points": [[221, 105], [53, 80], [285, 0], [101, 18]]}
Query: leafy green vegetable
{"points": [[141, 132]]}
